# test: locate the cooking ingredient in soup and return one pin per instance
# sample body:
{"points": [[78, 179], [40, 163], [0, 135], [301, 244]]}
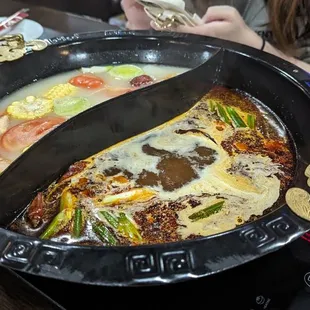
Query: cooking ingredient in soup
{"points": [[206, 211], [70, 106], [67, 200], [234, 116], [128, 229], [126, 72], [223, 114], [104, 234], [136, 194], [123, 225], [74, 169], [24, 134], [251, 121], [231, 115], [60, 91], [36, 210], [87, 81], [110, 218], [4, 123], [78, 222], [37, 100], [141, 80], [59, 222], [30, 108], [204, 172]]}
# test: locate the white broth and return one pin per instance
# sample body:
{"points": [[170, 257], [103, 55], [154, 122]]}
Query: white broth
{"points": [[31, 112]]}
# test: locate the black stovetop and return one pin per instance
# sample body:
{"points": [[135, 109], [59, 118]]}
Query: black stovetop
{"points": [[278, 281]]}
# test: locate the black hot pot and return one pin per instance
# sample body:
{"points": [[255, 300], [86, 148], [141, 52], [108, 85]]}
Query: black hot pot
{"points": [[284, 88]]}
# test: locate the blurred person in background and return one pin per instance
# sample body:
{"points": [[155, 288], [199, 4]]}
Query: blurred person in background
{"points": [[278, 27]]}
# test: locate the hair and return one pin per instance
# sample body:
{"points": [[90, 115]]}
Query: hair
{"points": [[283, 19], [283, 16]]}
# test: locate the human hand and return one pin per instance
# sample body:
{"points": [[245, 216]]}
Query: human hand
{"points": [[136, 17], [223, 22]]}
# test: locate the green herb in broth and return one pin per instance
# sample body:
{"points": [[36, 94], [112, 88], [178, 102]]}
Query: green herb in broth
{"points": [[78, 222], [193, 176]]}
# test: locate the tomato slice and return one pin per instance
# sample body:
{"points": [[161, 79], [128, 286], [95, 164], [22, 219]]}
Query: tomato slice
{"points": [[87, 81], [27, 133]]}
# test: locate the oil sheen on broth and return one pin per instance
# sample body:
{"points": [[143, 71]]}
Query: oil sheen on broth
{"points": [[223, 163]]}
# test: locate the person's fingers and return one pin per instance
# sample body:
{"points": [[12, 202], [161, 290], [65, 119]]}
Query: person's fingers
{"points": [[145, 25], [129, 26], [127, 4], [135, 15], [220, 13], [199, 30], [206, 30], [214, 29]]}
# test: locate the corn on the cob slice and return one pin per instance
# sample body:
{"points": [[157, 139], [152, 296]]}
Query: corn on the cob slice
{"points": [[60, 91], [30, 108]]}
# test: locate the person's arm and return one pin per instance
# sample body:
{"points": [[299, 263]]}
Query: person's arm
{"points": [[256, 41], [301, 64], [225, 22]]}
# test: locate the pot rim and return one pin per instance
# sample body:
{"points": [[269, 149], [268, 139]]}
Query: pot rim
{"points": [[169, 262]]}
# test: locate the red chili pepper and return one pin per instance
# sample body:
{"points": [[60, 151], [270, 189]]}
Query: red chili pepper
{"points": [[35, 211], [74, 169]]}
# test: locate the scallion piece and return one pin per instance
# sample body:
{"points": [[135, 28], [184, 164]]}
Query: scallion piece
{"points": [[110, 218], [58, 223], [206, 212], [212, 105], [251, 120], [222, 114], [104, 233], [78, 222], [67, 200], [127, 228], [237, 120]]}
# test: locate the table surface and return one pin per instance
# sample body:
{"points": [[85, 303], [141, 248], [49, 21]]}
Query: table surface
{"points": [[14, 293], [54, 22]]}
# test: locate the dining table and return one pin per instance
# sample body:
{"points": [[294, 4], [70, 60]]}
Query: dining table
{"points": [[54, 22], [15, 293]]}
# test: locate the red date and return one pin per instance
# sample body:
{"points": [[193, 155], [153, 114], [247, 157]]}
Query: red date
{"points": [[141, 80]]}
